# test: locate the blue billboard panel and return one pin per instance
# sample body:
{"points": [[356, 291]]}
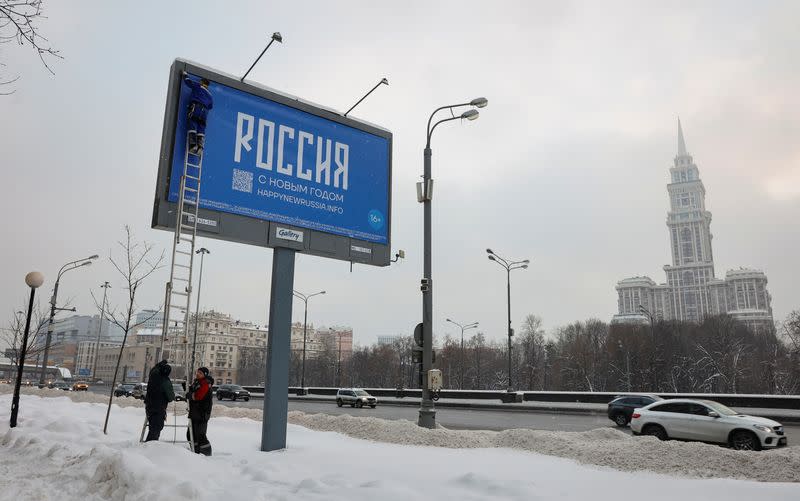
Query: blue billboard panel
{"points": [[266, 160]]}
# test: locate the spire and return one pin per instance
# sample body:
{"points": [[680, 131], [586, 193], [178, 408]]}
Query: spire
{"points": [[681, 142]]}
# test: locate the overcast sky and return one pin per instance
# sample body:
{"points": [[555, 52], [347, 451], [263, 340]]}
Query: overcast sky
{"points": [[567, 166]]}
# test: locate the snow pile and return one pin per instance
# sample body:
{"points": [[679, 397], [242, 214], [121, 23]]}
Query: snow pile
{"points": [[603, 447], [58, 452], [606, 447]]}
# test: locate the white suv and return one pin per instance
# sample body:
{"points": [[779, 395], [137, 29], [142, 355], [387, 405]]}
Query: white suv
{"points": [[355, 398], [706, 421]]}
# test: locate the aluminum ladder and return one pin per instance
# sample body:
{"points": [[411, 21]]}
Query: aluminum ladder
{"points": [[174, 427], [178, 293]]}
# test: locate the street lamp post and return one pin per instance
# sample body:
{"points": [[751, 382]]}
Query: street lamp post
{"points": [[53, 308], [427, 412], [654, 356], [461, 362], [105, 287], [34, 280], [305, 299], [508, 265], [202, 251]]}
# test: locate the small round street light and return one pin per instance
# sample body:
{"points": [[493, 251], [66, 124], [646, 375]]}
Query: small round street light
{"points": [[34, 280]]}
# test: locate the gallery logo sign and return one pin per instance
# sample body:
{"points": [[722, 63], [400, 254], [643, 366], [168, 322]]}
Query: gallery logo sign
{"points": [[287, 234]]}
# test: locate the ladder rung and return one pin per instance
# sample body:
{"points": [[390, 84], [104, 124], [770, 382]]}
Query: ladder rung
{"points": [[181, 266], [181, 279], [187, 176], [183, 252], [180, 293], [180, 307], [189, 189]]}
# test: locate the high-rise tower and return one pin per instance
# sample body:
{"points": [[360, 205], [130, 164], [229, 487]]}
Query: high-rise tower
{"points": [[692, 292], [689, 226]]}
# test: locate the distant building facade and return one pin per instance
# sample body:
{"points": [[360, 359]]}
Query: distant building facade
{"points": [[384, 340], [692, 291], [86, 351]]}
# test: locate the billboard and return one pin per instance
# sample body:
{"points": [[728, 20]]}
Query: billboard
{"points": [[83, 371], [278, 170]]}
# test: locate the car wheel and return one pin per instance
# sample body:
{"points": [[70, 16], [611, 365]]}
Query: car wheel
{"points": [[246, 399], [219, 396], [655, 430], [234, 398], [621, 420], [352, 404], [745, 441], [359, 404], [373, 405], [339, 402]]}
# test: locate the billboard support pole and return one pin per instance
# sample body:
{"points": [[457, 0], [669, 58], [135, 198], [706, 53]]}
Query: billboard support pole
{"points": [[276, 397]]}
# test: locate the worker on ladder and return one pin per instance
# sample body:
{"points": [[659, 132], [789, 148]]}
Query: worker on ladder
{"points": [[200, 102], [159, 395], [200, 403]]}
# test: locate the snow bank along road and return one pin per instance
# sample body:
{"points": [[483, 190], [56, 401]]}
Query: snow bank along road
{"points": [[59, 452]]}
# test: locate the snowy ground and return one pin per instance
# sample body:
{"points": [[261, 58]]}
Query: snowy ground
{"points": [[58, 451]]}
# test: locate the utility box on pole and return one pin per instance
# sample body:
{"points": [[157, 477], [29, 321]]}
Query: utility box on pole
{"points": [[434, 380]]}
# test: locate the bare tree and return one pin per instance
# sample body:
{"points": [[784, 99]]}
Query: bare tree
{"points": [[19, 23], [137, 263], [16, 328]]}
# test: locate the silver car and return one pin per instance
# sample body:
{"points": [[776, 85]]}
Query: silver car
{"points": [[355, 398], [706, 421]]}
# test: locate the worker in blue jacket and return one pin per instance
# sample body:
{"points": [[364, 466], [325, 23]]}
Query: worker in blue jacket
{"points": [[200, 103]]}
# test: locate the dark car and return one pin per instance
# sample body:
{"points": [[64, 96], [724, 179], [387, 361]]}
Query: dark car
{"points": [[60, 385], [124, 390], [621, 408], [232, 391]]}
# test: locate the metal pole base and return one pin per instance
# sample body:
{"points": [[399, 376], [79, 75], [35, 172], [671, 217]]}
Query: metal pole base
{"points": [[427, 418]]}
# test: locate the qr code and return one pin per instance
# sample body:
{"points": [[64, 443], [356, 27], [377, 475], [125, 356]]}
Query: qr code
{"points": [[242, 181]]}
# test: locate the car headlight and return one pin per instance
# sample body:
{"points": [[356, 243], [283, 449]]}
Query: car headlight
{"points": [[364, 399], [765, 429]]}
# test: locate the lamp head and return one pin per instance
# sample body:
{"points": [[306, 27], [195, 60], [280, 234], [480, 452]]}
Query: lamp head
{"points": [[94, 257], [447, 319], [470, 115], [489, 251], [86, 263], [277, 37], [479, 102], [34, 279], [322, 292], [491, 257], [384, 81], [527, 261], [524, 266]]}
